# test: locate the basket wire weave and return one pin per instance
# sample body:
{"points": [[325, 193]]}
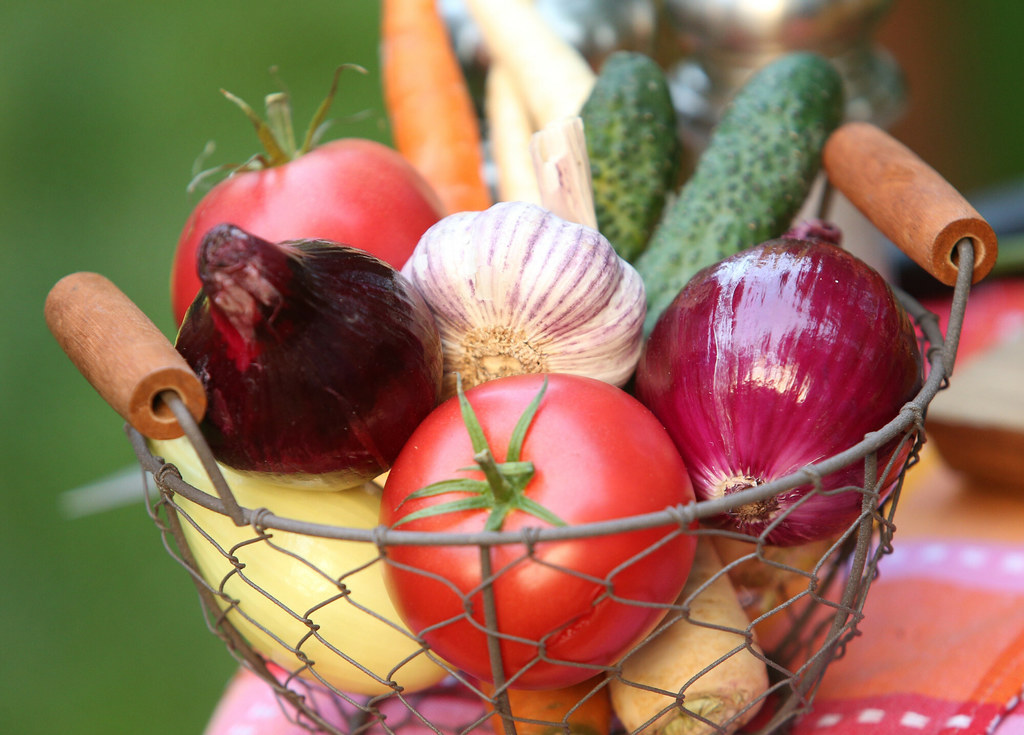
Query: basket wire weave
{"points": [[821, 618]]}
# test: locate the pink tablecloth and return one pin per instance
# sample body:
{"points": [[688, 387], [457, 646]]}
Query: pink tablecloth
{"points": [[942, 643]]}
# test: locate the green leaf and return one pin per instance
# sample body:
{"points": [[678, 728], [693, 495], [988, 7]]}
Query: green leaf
{"points": [[476, 432], [478, 502], [279, 119], [320, 117], [459, 485], [517, 473], [263, 130], [531, 506], [503, 490], [497, 517], [515, 443]]}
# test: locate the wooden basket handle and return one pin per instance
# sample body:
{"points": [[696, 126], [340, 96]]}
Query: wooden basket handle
{"points": [[122, 353], [907, 200]]}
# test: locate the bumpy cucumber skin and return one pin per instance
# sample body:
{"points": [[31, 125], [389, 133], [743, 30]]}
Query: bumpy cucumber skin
{"points": [[753, 177], [629, 122]]}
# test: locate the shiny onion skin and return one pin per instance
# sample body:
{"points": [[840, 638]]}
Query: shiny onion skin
{"points": [[318, 359], [773, 359]]}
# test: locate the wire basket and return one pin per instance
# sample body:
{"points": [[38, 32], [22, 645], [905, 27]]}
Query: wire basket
{"points": [[308, 647], [819, 606]]}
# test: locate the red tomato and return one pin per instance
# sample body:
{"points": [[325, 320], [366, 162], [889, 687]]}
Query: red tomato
{"points": [[568, 606], [353, 191]]}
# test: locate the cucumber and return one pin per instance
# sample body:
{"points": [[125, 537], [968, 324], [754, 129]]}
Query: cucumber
{"points": [[752, 178], [629, 123]]}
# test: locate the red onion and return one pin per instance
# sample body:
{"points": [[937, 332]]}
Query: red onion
{"points": [[816, 229], [776, 358], [317, 358]]}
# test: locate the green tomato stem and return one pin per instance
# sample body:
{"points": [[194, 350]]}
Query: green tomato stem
{"points": [[504, 486], [279, 118], [277, 132], [500, 486]]}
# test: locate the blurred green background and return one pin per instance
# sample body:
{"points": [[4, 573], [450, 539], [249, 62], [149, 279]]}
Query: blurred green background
{"points": [[104, 106]]}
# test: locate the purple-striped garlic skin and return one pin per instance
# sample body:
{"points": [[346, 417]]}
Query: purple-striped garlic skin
{"points": [[516, 289]]}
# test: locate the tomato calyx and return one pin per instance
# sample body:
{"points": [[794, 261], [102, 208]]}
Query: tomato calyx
{"points": [[503, 488], [276, 133]]}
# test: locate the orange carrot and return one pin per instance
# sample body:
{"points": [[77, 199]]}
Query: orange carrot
{"points": [[585, 707], [433, 120]]}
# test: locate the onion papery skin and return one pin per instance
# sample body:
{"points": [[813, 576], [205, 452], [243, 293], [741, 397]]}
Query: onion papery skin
{"points": [[774, 359], [318, 359]]}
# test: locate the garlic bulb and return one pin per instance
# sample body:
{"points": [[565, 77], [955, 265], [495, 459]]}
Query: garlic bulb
{"points": [[516, 289]]}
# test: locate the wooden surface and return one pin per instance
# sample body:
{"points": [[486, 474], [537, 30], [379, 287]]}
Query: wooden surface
{"points": [[122, 353], [978, 422], [907, 200], [940, 501]]}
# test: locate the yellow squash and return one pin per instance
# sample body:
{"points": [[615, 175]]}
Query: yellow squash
{"points": [[302, 597]]}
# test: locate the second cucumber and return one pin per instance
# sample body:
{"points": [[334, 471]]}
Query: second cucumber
{"points": [[752, 179]]}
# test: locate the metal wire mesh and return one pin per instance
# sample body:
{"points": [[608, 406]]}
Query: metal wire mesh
{"points": [[798, 627]]}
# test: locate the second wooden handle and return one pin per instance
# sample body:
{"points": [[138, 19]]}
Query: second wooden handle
{"points": [[122, 353], [907, 200]]}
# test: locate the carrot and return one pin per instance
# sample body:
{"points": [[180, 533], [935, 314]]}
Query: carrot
{"points": [[433, 120], [551, 74], [691, 674], [509, 129], [585, 708]]}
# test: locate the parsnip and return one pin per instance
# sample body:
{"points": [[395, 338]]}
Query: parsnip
{"points": [[510, 129], [551, 74], [665, 680], [764, 584]]}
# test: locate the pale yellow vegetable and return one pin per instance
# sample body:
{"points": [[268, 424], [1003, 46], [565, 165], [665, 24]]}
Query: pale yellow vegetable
{"points": [[728, 694], [305, 587], [562, 164], [766, 581], [551, 74], [510, 130]]}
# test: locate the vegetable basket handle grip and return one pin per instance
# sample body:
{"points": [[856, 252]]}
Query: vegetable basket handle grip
{"points": [[907, 200], [122, 354]]}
